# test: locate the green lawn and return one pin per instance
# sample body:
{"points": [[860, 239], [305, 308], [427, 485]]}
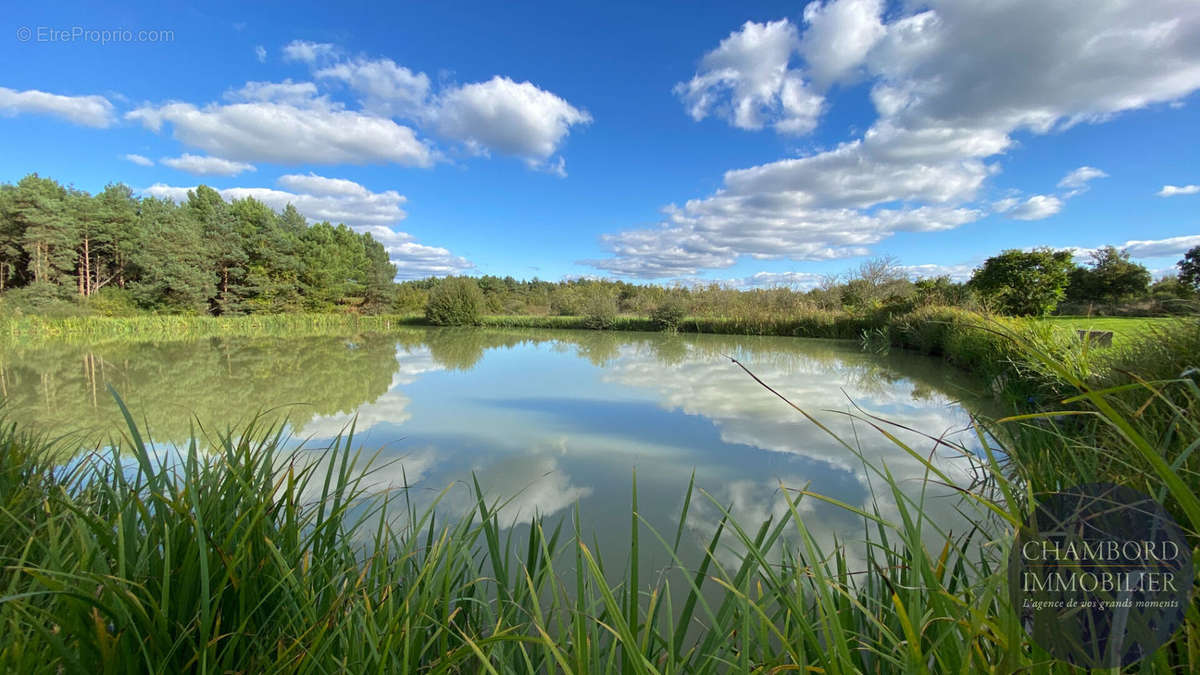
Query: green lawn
{"points": [[1123, 328]]}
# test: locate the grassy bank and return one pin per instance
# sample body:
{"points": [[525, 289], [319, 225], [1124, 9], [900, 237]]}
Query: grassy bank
{"points": [[813, 324], [178, 327], [238, 556]]}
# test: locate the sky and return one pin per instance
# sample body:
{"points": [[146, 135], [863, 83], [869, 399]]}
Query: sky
{"points": [[751, 143]]}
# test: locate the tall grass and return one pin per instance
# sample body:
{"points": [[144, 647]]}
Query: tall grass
{"points": [[234, 555], [175, 327]]}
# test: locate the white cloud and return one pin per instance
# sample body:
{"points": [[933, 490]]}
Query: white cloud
{"points": [[499, 115], [714, 232], [328, 187], [138, 159], [308, 52], [840, 34], [1172, 190], [300, 94], [386, 88], [338, 200], [1160, 248], [746, 81], [260, 52], [959, 272], [284, 133], [511, 118], [1077, 181], [1142, 248], [89, 111], [802, 281], [1036, 207], [951, 84], [206, 166]]}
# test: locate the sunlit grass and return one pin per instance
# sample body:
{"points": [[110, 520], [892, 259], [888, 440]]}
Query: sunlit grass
{"points": [[177, 327]]}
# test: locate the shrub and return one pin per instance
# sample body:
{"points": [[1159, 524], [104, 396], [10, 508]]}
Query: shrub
{"points": [[668, 313], [43, 299], [409, 299], [599, 308], [565, 301], [111, 301], [456, 301]]}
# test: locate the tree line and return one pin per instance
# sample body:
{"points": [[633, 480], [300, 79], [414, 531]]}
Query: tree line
{"points": [[65, 251], [115, 250]]}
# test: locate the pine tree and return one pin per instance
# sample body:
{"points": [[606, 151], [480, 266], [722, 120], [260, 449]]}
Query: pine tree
{"points": [[48, 230]]}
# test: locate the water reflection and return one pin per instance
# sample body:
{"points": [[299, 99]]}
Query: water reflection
{"points": [[545, 419]]}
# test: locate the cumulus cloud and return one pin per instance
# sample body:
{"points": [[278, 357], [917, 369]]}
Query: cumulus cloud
{"points": [[500, 115], [260, 52], [687, 243], [138, 159], [1159, 248], [301, 94], [512, 118], [308, 52], [269, 131], [1172, 190], [1036, 207], [1046, 66], [839, 36], [386, 88], [338, 200], [958, 272], [88, 111], [206, 166], [746, 81], [801, 281]]}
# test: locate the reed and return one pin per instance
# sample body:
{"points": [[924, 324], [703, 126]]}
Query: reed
{"points": [[177, 327]]}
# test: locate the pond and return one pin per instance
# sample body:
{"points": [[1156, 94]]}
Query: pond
{"points": [[546, 419]]}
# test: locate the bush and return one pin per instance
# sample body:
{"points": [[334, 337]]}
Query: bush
{"points": [[43, 299], [409, 299], [456, 301], [668, 313], [599, 308], [111, 301]]}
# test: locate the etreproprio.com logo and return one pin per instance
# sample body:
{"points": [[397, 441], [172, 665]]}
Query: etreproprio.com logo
{"points": [[88, 34], [1101, 575]]}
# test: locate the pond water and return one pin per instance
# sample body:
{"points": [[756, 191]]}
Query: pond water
{"points": [[544, 419]]}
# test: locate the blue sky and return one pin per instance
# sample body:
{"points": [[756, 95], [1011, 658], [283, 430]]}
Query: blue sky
{"points": [[754, 143]]}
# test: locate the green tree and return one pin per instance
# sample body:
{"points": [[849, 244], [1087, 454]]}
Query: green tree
{"points": [[13, 262], [455, 301], [1024, 282], [1189, 269], [273, 263], [225, 247], [379, 287], [118, 240], [173, 265], [942, 291], [1110, 278], [48, 232]]}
